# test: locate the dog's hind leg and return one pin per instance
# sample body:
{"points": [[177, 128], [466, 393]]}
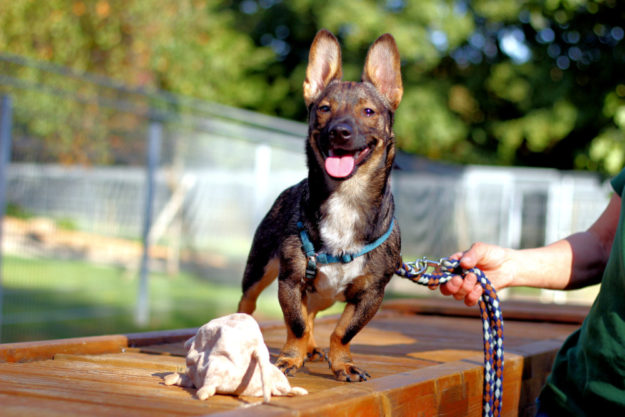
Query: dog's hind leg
{"points": [[255, 279]]}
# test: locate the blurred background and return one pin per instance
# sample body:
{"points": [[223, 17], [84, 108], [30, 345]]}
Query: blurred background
{"points": [[143, 141]]}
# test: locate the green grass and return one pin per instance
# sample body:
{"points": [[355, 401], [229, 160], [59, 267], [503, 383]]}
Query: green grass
{"points": [[48, 299]]}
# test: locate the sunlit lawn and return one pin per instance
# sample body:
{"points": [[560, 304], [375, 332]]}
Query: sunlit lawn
{"points": [[46, 299]]}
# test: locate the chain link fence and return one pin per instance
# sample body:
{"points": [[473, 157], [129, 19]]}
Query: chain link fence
{"points": [[128, 209]]}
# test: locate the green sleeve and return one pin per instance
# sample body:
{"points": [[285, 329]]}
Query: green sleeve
{"points": [[618, 182]]}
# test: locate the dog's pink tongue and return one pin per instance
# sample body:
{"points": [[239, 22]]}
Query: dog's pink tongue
{"points": [[340, 166]]}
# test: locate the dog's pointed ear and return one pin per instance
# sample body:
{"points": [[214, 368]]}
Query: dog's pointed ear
{"points": [[382, 69], [324, 65]]}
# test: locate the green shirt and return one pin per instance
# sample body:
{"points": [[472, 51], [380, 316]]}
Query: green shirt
{"points": [[588, 375]]}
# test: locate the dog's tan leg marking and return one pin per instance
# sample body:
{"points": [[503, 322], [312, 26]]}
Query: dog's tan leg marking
{"points": [[248, 299], [313, 353], [295, 349], [339, 357], [293, 353]]}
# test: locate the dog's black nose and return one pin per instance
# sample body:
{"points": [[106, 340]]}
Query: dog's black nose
{"points": [[342, 131]]}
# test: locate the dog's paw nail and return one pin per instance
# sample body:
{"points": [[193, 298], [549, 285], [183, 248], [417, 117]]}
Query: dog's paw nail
{"points": [[286, 368], [352, 374], [362, 375], [317, 355]]}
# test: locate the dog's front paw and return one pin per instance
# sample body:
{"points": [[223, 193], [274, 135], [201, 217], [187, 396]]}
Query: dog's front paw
{"points": [[350, 373], [288, 365]]}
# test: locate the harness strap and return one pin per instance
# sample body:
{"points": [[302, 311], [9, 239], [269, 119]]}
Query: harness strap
{"points": [[327, 258]]}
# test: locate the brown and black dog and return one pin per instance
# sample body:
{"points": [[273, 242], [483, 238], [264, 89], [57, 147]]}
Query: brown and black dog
{"points": [[344, 208]]}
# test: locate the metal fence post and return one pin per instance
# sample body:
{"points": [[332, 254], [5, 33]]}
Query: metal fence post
{"points": [[6, 119], [262, 172], [155, 134]]}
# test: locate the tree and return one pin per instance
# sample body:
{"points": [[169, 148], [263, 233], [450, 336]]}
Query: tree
{"points": [[185, 47], [552, 94], [530, 82]]}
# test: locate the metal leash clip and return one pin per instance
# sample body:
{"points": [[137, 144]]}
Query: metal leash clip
{"points": [[425, 263], [415, 270]]}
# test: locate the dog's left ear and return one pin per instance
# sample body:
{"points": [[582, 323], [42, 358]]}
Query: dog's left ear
{"points": [[382, 69]]}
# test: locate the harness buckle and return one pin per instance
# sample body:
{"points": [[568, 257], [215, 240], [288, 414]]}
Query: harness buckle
{"points": [[311, 267]]}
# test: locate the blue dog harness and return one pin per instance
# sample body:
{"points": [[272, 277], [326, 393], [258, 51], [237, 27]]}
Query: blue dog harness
{"points": [[315, 257]]}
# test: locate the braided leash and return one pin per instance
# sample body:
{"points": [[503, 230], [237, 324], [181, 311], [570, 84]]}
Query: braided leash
{"points": [[492, 321]]}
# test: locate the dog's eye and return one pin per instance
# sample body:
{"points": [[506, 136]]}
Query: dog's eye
{"points": [[324, 109], [369, 112]]}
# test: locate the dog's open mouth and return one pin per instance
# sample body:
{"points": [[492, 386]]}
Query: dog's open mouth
{"points": [[341, 163]]}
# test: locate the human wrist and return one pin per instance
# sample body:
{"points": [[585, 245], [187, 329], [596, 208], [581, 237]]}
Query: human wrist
{"points": [[512, 269]]}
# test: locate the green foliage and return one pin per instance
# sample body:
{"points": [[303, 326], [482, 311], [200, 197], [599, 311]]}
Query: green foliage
{"points": [[15, 210], [186, 47], [531, 82]]}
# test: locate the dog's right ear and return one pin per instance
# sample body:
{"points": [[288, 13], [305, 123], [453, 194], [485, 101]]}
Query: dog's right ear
{"points": [[324, 65]]}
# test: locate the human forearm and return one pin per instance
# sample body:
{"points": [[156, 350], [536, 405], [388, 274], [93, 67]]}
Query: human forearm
{"points": [[570, 263]]}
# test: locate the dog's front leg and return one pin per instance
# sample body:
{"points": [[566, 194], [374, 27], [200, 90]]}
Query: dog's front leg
{"points": [[293, 302], [357, 313]]}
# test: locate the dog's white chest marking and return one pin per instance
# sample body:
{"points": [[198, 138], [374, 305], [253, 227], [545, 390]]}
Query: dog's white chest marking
{"points": [[331, 281], [340, 221], [338, 231]]}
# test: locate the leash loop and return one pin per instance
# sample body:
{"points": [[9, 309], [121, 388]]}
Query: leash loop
{"points": [[434, 273]]}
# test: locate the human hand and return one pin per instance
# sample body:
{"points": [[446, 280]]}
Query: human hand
{"points": [[493, 260]]}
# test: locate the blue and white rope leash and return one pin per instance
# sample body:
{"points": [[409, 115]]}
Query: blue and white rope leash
{"points": [[492, 321]]}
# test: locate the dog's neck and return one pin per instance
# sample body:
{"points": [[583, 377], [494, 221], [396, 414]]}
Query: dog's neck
{"points": [[352, 212], [350, 218]]}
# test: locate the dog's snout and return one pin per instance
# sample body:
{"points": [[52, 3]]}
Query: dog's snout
{"points": [[341, 131]]}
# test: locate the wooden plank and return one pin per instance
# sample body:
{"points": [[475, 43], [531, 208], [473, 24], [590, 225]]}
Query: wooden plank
{"points": [[175, 349], [32, 351], [136, 391], [41, 350], [511, 310], [131, 360], [35, 406], [159, 337]]}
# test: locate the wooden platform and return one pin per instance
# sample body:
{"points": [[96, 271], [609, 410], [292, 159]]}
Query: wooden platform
{"points": [[424, 356]]}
